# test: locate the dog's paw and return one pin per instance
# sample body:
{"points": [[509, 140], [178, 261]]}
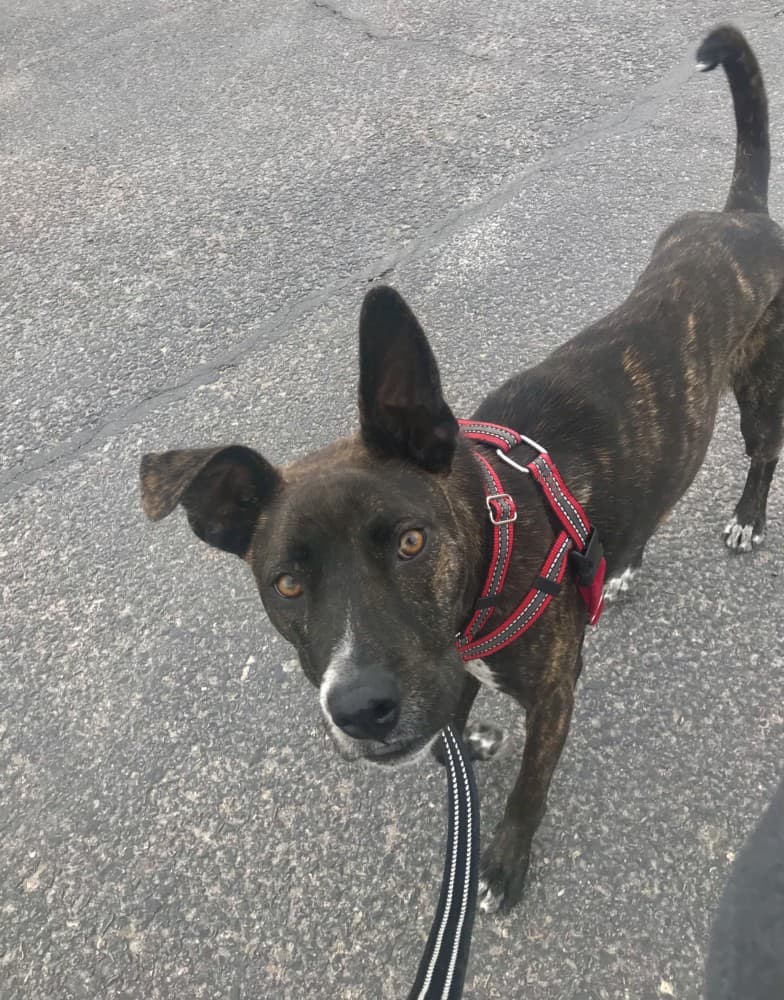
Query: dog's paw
{"points": [[483, 741], [488, 899], [502, 873], [619, 584], [741, 537]]}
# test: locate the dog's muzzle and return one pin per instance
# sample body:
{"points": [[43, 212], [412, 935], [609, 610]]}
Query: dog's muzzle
{"points": [[393, 751]]}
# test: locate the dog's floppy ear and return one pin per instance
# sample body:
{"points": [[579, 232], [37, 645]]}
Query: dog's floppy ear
{"points": [[401, 408], [222, 490]]}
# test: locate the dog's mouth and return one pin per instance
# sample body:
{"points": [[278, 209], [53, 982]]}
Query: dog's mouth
{"points": [[394, 751]]}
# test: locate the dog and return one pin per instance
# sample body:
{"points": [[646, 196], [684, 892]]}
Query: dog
{"points": [[370, 555]]}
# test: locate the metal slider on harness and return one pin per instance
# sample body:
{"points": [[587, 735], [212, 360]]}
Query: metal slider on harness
{"points": [[509, 461], [499, 519]]}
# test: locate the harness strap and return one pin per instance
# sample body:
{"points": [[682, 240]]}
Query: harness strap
{"points": [[565, 507], [588, 556], [577, 543], [495, 434], [530, 609], [503, 514]]}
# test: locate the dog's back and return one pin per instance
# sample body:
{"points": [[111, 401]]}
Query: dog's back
{"points": [[628, 405]]}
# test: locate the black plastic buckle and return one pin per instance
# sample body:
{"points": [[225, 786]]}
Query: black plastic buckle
{"points": [[586, 563]]}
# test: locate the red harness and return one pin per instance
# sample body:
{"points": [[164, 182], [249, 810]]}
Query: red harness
{"points": [[577, 543]]}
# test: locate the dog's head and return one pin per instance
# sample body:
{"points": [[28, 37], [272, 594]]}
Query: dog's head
{"points": [[365, 554]]}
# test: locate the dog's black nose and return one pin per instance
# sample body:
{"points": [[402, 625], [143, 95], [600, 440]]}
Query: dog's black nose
{"points": [[366, 710]]}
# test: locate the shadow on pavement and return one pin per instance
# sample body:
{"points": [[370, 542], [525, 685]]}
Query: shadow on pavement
{"points": [[746, 955]]}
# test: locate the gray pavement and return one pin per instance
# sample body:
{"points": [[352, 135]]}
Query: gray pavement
{"points": [[194, 198]]}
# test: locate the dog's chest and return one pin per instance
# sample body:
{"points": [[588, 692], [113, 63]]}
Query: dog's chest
{"points": [[483, 673]]}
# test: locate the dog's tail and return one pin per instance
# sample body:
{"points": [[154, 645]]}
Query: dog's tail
{"points": [[727, 47]]}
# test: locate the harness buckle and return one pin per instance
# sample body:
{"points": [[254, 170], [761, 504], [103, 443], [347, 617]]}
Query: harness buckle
{"points": [[586, 563], [498, 519]]}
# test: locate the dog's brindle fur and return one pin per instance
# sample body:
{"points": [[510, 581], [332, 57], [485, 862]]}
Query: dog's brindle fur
{"points": [[626, 409]]}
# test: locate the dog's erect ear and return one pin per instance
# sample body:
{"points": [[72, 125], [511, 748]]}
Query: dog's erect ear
{"points": [[402, 411], [222, 490]]}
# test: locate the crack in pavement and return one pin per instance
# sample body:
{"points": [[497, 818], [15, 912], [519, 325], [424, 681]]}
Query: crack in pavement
{"points": [[377, 34], [360, 22], [625, 122]]}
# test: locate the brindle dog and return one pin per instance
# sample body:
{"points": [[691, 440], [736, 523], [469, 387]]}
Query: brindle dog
{"points": [[369, 555]]}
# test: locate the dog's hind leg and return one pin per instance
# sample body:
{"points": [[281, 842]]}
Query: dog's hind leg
{"points": [[759, 390]]}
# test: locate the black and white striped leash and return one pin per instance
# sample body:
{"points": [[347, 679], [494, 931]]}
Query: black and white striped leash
{"points": [[442, 970]]}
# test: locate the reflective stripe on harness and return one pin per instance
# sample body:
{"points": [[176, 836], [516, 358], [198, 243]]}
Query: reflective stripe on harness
{"points": [[577, 544]]}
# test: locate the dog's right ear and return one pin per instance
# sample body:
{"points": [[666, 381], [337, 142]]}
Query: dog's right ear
{"points": [[402, 410], [223, 491]]}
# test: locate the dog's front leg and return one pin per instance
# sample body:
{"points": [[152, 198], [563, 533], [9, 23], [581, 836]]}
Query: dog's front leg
{"points": [[460, 718], [482, 741], [505, 862]]}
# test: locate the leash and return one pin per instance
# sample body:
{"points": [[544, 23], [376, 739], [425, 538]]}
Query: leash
{"points": [[442, 969]]}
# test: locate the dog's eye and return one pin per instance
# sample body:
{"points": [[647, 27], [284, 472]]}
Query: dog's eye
{"points": [[287, 586], [410, 543]]}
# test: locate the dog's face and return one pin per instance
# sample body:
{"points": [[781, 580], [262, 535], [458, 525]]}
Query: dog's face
{"points": [[359, 566], [363, 553]]}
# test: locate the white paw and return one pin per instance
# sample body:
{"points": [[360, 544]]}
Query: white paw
{"points": [[740, 537], [489, 902], [619, 584], [485, 741]]}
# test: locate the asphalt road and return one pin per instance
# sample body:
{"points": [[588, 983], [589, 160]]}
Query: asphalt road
{"points": [[194, 197]]}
